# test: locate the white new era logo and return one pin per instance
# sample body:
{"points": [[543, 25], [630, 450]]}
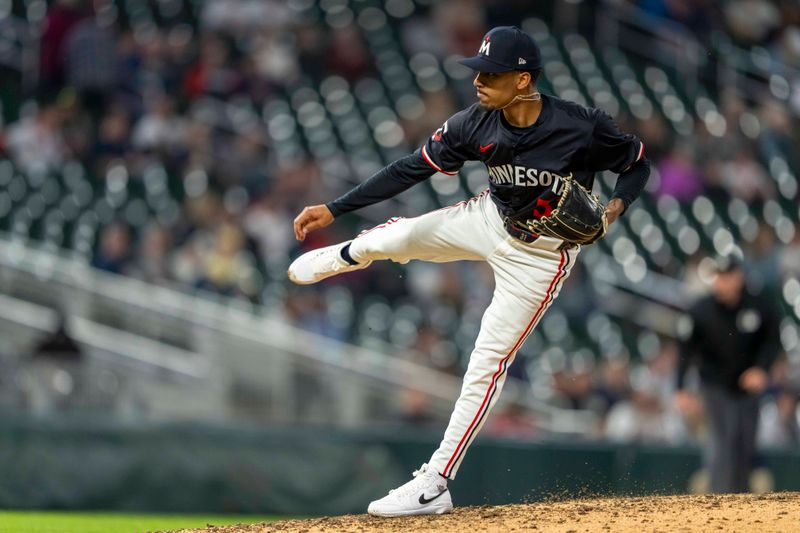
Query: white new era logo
{"points": [[522, 61]]}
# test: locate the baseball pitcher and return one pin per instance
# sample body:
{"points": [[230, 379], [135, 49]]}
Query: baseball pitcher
{"points": [[541, 154]]}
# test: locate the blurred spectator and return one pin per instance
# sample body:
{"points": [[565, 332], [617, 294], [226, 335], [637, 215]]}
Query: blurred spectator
{"points": [[154, 69], [788, 46], [247, 163], [61, 17], [223, 265], [348, 55], [763, 265], [194, 237], [128, 67], [734, 337], [751, 21], [713, 182], [202, 149], [213, 74], [461, 23], [78, 133], [308, 310], [643, 418], [274, 59], [420, 34], [415, 408], [242, 16], [679, 175], [311, 52], [114, 253], [113, 140], [36, 142], [745, 179], [270, 225], [779, 421], [662, 366], [160, 129], [90, 63], [574, 386], [512, 421], [614, 385], [152, 257], [779, 417]]}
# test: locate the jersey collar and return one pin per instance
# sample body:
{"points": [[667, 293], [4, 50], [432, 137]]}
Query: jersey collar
{"points": [[544, 114]]}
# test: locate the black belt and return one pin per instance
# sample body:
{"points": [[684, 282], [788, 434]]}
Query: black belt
{"points": [[518, 232], [525, 235]]}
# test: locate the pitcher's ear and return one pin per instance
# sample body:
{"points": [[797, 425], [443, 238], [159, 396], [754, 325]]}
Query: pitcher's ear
{"points": [[524, 79]]}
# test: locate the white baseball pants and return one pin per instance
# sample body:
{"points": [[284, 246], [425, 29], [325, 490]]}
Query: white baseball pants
{"points": [[528, 278]]}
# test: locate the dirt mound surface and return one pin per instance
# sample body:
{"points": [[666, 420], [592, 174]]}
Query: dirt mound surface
{"points": [[778, 512]]}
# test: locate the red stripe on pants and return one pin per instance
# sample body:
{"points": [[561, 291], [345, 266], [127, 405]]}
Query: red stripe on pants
{"points": [[503, 360]]}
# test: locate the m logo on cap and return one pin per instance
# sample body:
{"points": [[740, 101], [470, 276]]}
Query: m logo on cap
{"points": [[484, 49]]}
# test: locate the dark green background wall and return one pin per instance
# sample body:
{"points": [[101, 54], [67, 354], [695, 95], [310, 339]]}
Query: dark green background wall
{"points": [[92, 464]]}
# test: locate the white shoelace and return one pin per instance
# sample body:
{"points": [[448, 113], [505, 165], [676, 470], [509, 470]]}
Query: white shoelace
{"points": [[336, 263], [412, 486]]}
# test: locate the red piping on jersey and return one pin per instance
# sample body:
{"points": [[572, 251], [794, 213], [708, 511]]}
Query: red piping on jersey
{"points": [[638, 157], [490, 390], [433, 165]]}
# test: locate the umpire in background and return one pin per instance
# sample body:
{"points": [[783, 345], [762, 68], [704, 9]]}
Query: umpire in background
{"points": [[734, 339]]}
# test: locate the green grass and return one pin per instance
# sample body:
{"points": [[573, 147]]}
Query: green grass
{"points": [[66, 522]]}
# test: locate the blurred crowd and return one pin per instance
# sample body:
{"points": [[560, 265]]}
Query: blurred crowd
{"points": [[634, 403], [773, 25], [121, 95]]}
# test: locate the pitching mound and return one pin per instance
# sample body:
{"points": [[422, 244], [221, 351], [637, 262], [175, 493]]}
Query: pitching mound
{"points": [[779, 513]]}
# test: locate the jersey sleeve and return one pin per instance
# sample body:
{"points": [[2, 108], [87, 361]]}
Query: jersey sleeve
{"points": [[612, 149], [447, 149], [388, 182]]}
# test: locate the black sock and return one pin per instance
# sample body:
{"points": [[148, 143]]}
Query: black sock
{"points": [[345, 253]]}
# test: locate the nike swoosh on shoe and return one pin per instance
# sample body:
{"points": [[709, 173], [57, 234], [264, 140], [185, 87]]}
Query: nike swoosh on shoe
{"points": [[423, 500]]}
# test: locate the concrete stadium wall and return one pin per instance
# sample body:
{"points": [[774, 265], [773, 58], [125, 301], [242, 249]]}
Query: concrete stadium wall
{"points": [[93, 464]]}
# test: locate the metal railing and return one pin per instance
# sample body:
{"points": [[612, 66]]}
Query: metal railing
{"points": [[234, 345]]}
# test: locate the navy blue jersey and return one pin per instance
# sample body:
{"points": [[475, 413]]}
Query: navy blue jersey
{"points": [[527, 165]]}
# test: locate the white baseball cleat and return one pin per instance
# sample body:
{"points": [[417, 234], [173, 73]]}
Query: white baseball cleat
{"points": [[321, 263], [425, 494]]}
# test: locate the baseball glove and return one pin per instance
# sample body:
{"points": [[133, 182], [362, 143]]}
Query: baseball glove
{"points": [[578, 218]]}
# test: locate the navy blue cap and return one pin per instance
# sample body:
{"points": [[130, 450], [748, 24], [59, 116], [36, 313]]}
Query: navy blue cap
{"points": [[506, 48]]}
